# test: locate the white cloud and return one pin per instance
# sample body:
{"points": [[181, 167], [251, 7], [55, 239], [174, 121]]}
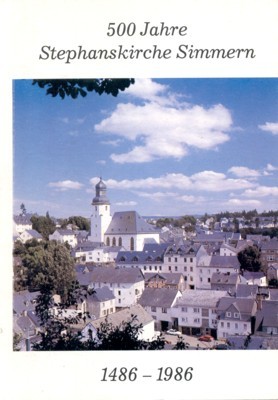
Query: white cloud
{"points": [[240, 204], [271, 168], [102, 162], [271, 127], [146, 89], [262, 191], [217, 182], [242, 172], [203, 181], [65, 185], [126, 203], [166, 131]]}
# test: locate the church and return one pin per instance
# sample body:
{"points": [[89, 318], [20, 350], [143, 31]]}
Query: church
{"points": [[125, 228]]}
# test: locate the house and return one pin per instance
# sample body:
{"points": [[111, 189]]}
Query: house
{"points": [[168, 280], [64, 236], [255, 278], [135, 313], [217, 238], [196, 311], [100, 303], [272, 272], [102, 254], [158, 302], [124, 229], [29, 234], [183, 259], [247, 291], [236, 316], [25, 321], [21, 223], [225, 281], [269, 251], [127, 285], [214, 264], [150, 259], [267, 318], [227, 250]]}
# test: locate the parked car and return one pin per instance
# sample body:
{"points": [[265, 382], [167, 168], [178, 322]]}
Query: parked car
{"points": [[206, 338], [173, 332], [221, 346]]}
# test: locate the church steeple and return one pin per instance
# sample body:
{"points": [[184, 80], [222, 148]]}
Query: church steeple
{"points": [[100, 197], [101, 218]]}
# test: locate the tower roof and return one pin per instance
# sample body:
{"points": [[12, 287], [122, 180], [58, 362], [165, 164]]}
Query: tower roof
{"points": [[100, 197]]}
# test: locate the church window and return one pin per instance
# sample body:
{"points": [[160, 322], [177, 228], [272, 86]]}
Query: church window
{"points": [[108, 241], [131, 243], [120, 241], [114, 241]]}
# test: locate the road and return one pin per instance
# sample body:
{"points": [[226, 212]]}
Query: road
{"points": [[193, 342]]}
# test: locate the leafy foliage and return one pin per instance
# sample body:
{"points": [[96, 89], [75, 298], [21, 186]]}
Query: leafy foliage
{"points": [[44, 225], [249, 259], [59, 332], [75, 87], [81, 223], [46, 263], [16, 341]]}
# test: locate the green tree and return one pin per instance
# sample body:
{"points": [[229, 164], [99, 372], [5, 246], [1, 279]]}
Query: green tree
{"points": [[76, 87], [23, 209], [48, 263], [79, 222], [58, 331], [16, 341], [249, 259], [44, 225]]}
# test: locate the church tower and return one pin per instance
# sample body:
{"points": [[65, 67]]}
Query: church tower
{"points": [[101, 218]]}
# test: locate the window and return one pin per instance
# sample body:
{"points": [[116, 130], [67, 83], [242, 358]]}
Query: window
{"points": [[222, 324], [185, 269], [196, 310], [208, 280], [176, 259], [184, 259], [201, 279], [108, 241], [120, 241], [228, 314], [236, 315], [191, 259], [228, 324], [114, 241], [169, 259], [164, 310], [191, 279], [131, 243], [119, 301], [191, 269], [176, 268], [244, 326], [197, 320], [170, 268], [184, 309], [236, 325], [153, 309], [119, 292]]}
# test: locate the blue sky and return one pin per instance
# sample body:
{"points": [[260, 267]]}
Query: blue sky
{"points": [[163, 147]]}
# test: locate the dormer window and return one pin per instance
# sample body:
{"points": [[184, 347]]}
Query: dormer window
{"points": [[236, 315], [228, 314]]}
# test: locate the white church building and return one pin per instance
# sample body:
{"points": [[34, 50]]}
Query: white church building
{"points": [[125, 228]]}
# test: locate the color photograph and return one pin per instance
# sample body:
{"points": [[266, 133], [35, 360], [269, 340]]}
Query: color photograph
{"points": [[145, 214]]}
